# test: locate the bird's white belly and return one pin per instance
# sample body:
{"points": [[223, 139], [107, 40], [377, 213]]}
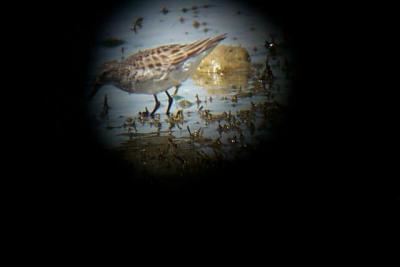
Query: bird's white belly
{"points": [[158, 84]]}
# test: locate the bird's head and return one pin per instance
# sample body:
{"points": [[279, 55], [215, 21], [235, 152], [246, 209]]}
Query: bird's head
{"points": [[105, 75]]}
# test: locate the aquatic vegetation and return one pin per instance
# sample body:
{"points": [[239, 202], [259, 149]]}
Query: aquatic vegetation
{"points": [[177, 117], [198, 101], [268, 76], [216, 144], [164, 10], [106, 107], [234, 99], [196, 152], [196, 24], [196, 134], [243, 95], [137, 24]]}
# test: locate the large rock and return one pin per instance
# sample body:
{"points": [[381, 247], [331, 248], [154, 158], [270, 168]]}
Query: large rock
{"points": [[225, 58]]}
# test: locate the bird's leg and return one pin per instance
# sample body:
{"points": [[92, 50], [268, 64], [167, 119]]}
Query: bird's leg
{"points": [[170, 99], [156, 106]]}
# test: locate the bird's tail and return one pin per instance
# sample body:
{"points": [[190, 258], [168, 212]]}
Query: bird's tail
{"points": [[196, 48]]}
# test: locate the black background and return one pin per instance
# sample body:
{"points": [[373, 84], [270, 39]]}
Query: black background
{"points": [[313, 161]]}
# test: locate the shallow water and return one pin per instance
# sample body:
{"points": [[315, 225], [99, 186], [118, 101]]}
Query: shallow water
{"points": [[223, 115]]}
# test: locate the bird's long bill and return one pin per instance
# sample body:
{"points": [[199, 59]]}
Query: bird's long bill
{"points": [[95, 89]]}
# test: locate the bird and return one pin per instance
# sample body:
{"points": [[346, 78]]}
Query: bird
{"points": [[156, 70]]}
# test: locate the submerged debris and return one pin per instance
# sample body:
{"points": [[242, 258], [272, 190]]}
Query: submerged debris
{"points": [[196, 135], [196, 24], [176, 119], [217, 143], [164, 10], [198, 101], [234, 99], [244, 94], [137, 24], [106, 107], [144, 115]]}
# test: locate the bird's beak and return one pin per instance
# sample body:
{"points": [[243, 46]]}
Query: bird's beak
{"points": [[95, 89]]}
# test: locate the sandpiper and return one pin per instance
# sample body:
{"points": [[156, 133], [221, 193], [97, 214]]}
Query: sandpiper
{"points": [[157, 69]]}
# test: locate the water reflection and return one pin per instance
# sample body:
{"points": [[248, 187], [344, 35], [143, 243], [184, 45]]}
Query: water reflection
{"points": [[217, 83]]}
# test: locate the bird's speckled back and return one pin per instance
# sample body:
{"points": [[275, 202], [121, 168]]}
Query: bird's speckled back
{"points": [[155, 70]]}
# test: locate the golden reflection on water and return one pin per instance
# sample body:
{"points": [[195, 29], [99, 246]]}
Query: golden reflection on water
{"points": [[221, 83]]}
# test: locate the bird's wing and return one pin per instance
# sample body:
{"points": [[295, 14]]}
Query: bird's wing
{"points": [[160, 59], [153, 58], [194, 49], [169, 55]]}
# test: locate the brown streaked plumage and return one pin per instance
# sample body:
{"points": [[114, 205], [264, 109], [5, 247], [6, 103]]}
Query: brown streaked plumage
{"points": [[156, 70]]}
